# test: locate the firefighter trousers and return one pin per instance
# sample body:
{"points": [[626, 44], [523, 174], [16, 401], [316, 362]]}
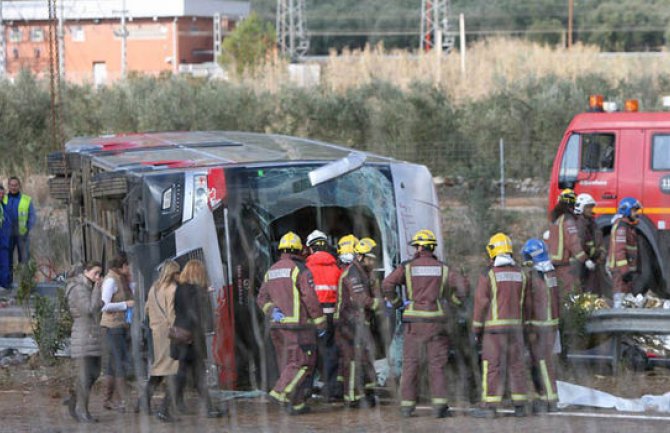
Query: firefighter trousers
{"points": [[618, 284], [296, 356], [432, 337], [357, 348], [328, 361], [503, 361], [568, 279], [543, 371]]}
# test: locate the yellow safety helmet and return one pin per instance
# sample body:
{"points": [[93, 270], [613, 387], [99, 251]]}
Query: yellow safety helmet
{"points": [[365, 247], [290, 241], [499, 243], [346, 244], [424, 238], [567, 196]]}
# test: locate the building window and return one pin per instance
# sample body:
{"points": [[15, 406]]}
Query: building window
{"points": [[15, 53], [37, 34], [660, 153], [15, 34], [78, 34], [37, 52]]}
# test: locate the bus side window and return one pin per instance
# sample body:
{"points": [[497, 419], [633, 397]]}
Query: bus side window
{"points": [[661, 152], [598, 152], [570, 163]]}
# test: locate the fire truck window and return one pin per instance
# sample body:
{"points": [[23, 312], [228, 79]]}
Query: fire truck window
{"points": [[598, 152], [661, 153], [570, 162]]}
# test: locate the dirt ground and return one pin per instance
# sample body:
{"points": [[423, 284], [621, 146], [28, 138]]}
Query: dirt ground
{"points": [[31, 401]]}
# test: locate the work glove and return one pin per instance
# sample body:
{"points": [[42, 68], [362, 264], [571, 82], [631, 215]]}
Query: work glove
{"points": [[277, 315], [388, 304], [405, 304], [590, 265]]}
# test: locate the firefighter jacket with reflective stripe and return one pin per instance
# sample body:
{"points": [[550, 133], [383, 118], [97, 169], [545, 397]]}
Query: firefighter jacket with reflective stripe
{"points": [[363, 300], [288, 285], [430, 285], [23, 211], [326, 275], [564, 243], [622, 254], [542, 306], [500, 299], [590, 236]]}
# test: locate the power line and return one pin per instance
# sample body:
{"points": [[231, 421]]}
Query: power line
{"points": [[407, 32]]}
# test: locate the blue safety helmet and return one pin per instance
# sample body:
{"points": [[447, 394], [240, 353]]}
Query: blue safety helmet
{"points": [[535, 250], [626, 205]]}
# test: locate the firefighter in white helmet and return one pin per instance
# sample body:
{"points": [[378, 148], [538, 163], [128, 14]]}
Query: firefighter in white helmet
{"points": [[592, 241]]}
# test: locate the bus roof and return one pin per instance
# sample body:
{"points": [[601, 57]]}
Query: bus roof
{"points": [[600, 121], [208, 148]]}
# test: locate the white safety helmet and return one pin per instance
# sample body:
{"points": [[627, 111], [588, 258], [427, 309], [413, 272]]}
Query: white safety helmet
{"points": [[316, 237], [582, 201]]}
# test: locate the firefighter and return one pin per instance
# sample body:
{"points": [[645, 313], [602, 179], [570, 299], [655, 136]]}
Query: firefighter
{"points": [[288, 299], [497, 322], [541, 320], [345, 250], [622, 256], [357, 303], [564, 245], [591, 239], [326, 274], [431, 286]]}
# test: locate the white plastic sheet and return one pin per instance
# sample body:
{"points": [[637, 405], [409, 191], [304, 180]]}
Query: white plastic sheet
{"points": [[577, 395]]}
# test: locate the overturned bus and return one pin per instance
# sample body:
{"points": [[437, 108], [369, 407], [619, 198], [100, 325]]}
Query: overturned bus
{"points": [[227, 198]]}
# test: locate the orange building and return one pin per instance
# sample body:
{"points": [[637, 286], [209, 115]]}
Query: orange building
{"points": [[160, 36]]}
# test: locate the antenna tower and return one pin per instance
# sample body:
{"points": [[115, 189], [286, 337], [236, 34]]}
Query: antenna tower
{"points": [[292, 35], [435, 26]]}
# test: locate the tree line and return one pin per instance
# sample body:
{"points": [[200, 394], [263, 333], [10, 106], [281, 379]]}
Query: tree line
{"points": [[419, 123]]}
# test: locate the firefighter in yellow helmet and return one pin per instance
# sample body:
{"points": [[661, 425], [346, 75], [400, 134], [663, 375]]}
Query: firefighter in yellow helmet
{"points": [[357, 303], [497, 322], [345, 250], [289, 301], [565, 247], [431, 286]]}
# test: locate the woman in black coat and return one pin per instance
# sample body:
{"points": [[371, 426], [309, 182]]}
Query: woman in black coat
{"points": [[191, 306]]}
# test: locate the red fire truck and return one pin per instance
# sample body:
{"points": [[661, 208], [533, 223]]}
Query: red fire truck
{"points": [[612, 155]]}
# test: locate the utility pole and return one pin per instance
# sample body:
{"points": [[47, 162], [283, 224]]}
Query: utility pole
{"points": [[435, 26], [571, 15], [124, 40], [217, 37], [292, 35], [3, 45], [61, 41]]}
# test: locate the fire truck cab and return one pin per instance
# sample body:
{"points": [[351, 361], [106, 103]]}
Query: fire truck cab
{"points": [[613, 155], [226, 198]]}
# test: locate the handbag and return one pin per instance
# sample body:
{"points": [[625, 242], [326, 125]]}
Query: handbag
{"points": [[180, 335]]}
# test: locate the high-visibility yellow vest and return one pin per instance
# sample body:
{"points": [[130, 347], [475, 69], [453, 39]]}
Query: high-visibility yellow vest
{"points": [[24, 209]]}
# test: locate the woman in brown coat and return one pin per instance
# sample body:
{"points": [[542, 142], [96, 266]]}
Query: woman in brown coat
{"points": [[84, 301], [160, 310]]}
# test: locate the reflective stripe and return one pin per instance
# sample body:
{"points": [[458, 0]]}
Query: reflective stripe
{"points": [[485, 379], [628, 247], [275, 274], [503, 277], [407, 403], [328, 310], [611, 258], [340, 378], [559, 252], [295, 317], [552, 322], [519, 397], [267, 307], [477, 324], [325, 287], [289, 388], [319, 320], [620, 263], [279, 396], [547, 282], [370, 385], [375, 304], [352, 381], [439, 401], [426, 271], [551, 396], [298, 406]]}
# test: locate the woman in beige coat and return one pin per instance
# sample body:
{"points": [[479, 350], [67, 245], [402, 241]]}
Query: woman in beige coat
{"points": [[160, 310]]}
